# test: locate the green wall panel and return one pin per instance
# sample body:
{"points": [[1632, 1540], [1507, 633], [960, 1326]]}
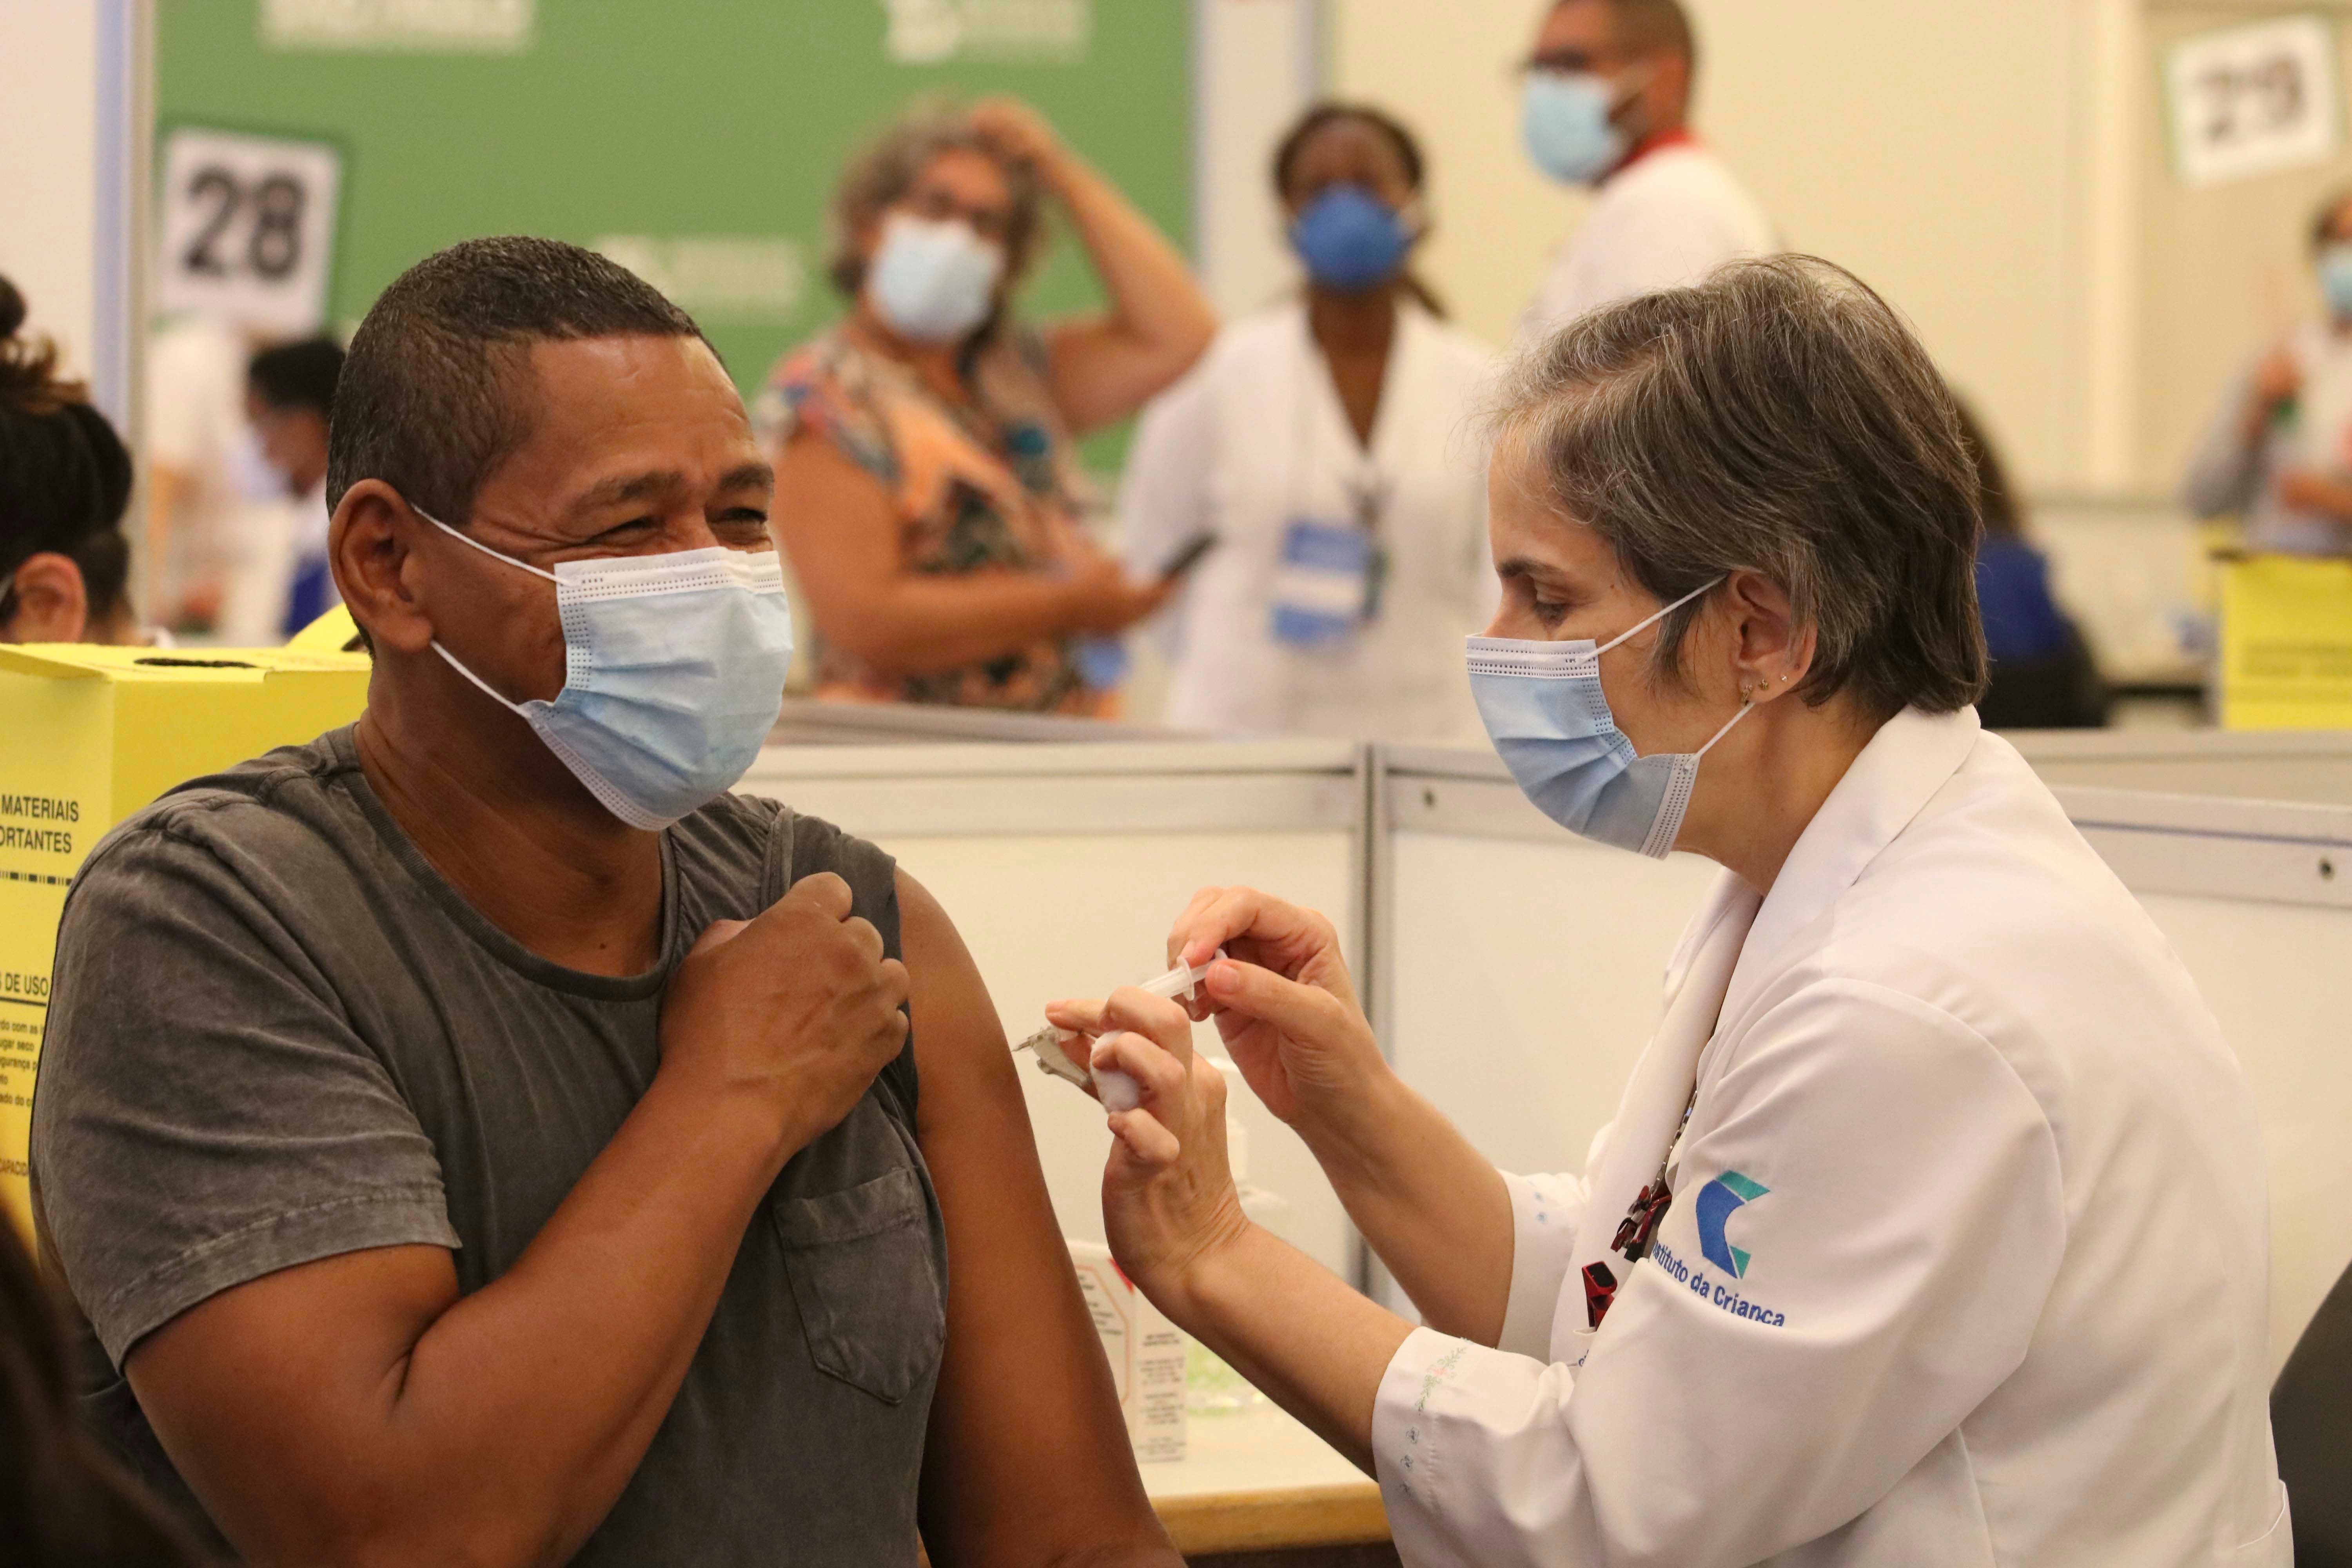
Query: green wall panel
{"points": [[678, 118]]}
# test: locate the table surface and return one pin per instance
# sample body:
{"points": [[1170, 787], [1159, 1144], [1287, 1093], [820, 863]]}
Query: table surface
{"points": [[1257, 1481]]}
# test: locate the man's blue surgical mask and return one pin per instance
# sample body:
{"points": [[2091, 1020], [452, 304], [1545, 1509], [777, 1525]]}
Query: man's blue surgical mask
{"points": [[934, 279], [1350, 239], [2336, 277], [1564, 118], [1544, 709], [673, 673]]}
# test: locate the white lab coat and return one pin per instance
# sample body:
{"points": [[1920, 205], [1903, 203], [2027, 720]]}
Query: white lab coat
{"points": [[1254, 437], [1669, 217], [1997, 1291], [2228, 475]]}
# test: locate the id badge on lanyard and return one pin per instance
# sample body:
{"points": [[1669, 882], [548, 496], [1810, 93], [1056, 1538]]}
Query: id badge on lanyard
{"points": [[1329, 578]]}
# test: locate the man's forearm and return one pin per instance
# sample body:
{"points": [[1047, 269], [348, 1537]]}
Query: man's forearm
{"points": [[525, 1408], [1432, 1208]]}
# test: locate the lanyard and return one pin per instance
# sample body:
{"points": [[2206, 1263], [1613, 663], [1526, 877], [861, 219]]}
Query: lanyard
{"points": [[1368, 490]]}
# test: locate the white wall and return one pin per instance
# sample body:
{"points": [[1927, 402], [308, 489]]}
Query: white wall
{"points": [[48, 165], [71, 103]]}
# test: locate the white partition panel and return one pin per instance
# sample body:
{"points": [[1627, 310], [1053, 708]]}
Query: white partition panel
{"points": [[2257, 899], [1525, 965], [1063, 867], [2309, 765], [1521, 970]]}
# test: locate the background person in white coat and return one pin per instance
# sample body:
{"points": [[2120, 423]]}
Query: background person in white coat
{"points": [[1607, 96], [2278, 452], [1931, 1229], [1322, 444]]}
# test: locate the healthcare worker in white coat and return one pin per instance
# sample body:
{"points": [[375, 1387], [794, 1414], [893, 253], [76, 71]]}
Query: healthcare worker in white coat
{"points": [[2278, 452], [1605, 103], [1931, 1226], [1323, 445]]}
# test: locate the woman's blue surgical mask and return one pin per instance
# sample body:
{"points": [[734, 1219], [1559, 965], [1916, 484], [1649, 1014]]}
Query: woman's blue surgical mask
{"points": [[2336, 277], [933, 279], [1350, 239], [1544, 709], [674, 673], [1564, 118]]}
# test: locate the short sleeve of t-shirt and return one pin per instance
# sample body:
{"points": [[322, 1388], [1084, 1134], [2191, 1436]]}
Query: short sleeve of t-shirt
{"points": [[204, 1113]]}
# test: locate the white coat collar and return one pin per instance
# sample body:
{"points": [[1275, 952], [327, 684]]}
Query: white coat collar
{"points": [[1913, 756]]}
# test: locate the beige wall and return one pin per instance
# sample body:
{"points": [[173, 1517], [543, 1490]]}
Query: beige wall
{"points": [[1921, 143]]}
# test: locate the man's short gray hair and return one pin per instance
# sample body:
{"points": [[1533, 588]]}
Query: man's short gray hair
{"points": [[1777, 417], [881, 173]]}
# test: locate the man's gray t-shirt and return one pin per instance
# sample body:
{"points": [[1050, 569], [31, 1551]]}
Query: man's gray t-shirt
{"points": [[277, 1034]]}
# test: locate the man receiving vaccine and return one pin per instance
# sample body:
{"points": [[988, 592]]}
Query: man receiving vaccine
{"points": [[481, 1135], [1606, 103]]}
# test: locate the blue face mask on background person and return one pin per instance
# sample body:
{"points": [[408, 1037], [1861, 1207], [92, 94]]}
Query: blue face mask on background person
{"points": [[2336, 276], [1350, 239], [673, 673], [1543, 709], [1564, 120], [934, 279]]}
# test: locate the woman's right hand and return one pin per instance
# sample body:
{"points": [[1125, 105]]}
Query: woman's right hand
{"points": [[1104, 599], [1283, 1002], [2277, 377]]}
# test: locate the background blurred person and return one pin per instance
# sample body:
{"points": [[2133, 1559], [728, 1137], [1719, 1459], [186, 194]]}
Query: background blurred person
{"points": [[2278, 454], [1606, 103], [1322, 446], [289, 391], [204, 477], [2042, 675], [62, 1503], [926, 490], [64, 480]]}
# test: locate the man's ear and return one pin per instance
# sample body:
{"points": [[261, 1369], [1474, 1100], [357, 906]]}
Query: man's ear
{"points": [[1669, 90], [1771, 652], [368, 549], [52, 601]]}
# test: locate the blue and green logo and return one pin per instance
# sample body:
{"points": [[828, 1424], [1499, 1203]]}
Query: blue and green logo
{"points": [[1718, 1201]]}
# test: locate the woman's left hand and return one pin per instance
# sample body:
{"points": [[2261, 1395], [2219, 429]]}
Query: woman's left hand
{"points": [[1169, 1203], [1018, 132]]}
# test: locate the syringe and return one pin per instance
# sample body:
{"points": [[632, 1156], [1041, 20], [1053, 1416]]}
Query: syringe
{"points": [[1116, 1090]]}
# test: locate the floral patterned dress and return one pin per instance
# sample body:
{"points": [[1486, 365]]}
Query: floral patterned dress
{"points": [[987, 485]]}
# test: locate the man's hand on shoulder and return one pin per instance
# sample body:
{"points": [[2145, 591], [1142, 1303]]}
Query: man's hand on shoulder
{"points": [[790, 1015]]}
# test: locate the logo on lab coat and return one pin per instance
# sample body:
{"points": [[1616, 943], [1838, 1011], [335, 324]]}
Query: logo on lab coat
{"points": [[1717, 1202]]}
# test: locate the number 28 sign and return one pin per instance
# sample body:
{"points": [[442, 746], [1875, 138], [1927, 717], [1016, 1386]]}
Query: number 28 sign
{"points": [[247, 229]]}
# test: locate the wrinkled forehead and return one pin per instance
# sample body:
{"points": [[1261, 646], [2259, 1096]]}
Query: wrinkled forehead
{"points": [[596, 406]]}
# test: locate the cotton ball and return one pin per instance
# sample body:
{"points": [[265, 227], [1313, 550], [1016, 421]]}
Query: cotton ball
{"points": [[1118, 1091]]}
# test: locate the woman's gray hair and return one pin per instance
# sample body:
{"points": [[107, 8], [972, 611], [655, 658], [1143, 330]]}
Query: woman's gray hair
{"points": [[880, 174], [1777, 417]]}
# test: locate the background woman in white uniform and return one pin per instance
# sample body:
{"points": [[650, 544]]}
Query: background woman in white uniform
{"points": [[1323, 443], [1931, 1229]]}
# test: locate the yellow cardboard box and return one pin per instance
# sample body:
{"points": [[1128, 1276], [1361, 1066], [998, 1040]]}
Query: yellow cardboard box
{"points": [[2287, 644], [88, 735]]}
